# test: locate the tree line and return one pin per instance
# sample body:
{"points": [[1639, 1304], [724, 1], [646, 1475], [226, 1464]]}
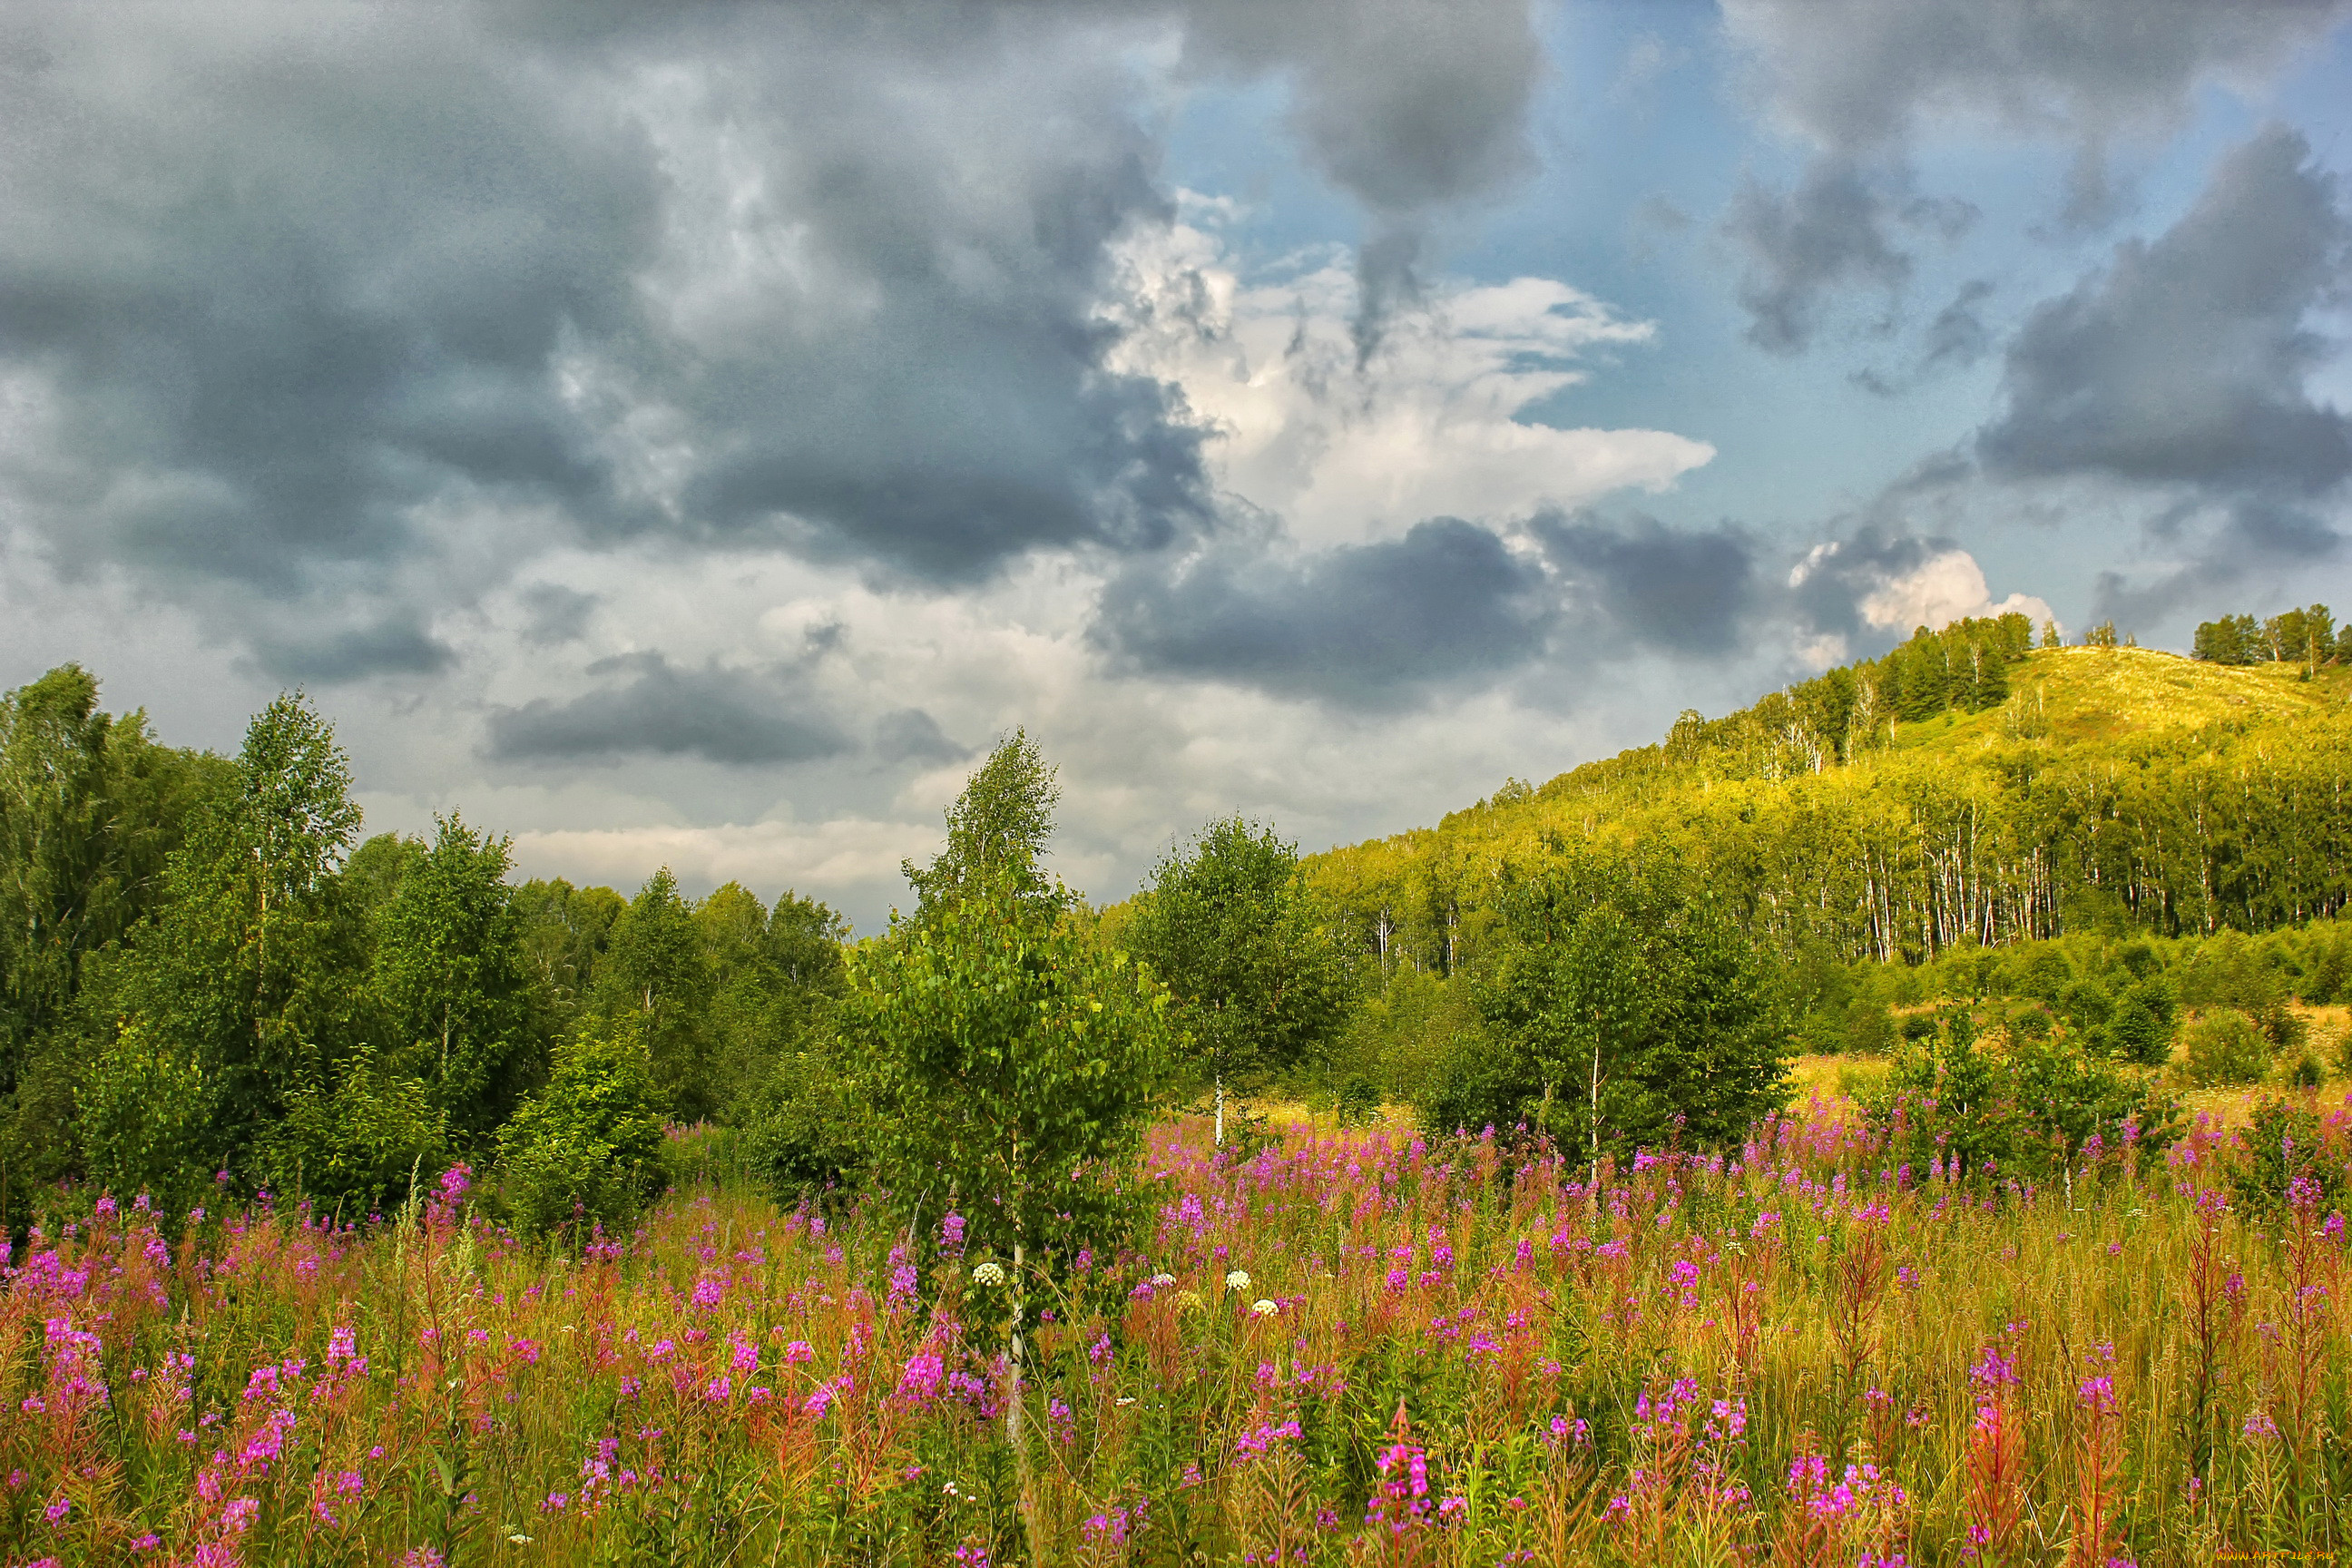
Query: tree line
{"points": [[2307, 637], [211, 987]]}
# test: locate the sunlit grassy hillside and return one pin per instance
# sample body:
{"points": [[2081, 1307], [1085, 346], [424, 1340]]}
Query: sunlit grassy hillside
{"points": [[2117, 785]]}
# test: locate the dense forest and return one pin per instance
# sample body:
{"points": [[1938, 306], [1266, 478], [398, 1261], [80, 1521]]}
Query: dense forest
{"points": [[210, 979]]}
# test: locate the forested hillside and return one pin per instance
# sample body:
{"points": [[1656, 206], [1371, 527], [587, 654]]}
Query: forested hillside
{"points": [[1964, 789]]}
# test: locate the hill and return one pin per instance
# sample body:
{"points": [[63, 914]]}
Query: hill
{"points": [[1967, 788]]}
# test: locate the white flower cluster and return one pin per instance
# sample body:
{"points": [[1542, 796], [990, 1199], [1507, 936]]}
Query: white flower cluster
{"points": [[1237, 1280], [1264, 1308], [1161, 1281], [988, 1274]]}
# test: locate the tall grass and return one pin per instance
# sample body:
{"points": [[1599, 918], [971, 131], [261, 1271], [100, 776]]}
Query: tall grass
{"points": [[1349, 1348]]}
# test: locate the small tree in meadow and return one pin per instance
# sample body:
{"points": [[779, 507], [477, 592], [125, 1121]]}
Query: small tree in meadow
{"points": [[1230, 927], [1623, 1009], [588, 1148]]}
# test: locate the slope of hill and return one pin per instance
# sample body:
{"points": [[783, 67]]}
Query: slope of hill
{"points": [[2115, 787]]}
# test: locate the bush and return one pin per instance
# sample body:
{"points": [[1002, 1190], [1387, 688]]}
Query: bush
{"points": [[360, 1147], [807, 1130], [2030, 1111], [2286, 1144], [2087, 1003], [1358, 1101], [2225, 1048], [2142, 1027], [589, 1149], [144, 1114], [1628, 1011], [1869, 1027]]}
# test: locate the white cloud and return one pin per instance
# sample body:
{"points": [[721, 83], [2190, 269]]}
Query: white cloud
{"points": [[1940, 590], [1430, 425]]}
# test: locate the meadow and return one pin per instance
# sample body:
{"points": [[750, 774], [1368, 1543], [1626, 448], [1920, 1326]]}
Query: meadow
{"points": [[1339, 1347]]}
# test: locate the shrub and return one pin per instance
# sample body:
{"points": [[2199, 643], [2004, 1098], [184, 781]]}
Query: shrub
{"points": [[1628, 1009], [2286, 1144], [2030, 1021], [1358, 1101], [2225, 1048], [1869, 1027], [2087, 1003], [2141, 1028], [588, 1149], [807, 1129], [144, 1112], [360, 1146], [2030, 1111]]}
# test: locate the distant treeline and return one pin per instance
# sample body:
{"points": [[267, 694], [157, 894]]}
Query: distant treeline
{"points": [[2307, 637], [202, 970], [1964, 789]]}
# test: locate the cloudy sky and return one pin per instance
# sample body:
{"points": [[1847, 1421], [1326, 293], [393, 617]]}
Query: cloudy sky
{"points": [[691, 433]]}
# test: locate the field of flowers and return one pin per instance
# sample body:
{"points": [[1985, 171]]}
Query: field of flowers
{"points": [[1343, 1348]]}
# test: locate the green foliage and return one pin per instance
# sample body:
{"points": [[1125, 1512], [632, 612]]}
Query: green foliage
{"points": [[564, 930], [655, 966], [1869, 1027], [773, 976], [450, 970], [91, 808], [1398, 1038], [807, 1126], [1624, 1009], [2141, 1029], [2115, 792], [997, 830], [2028, 1111], [248, 977], [1014, 1066], [1242, 945], [2224, 1048], [359, 1144], [587, 1150], [144, 1112], [2286, 1144]]}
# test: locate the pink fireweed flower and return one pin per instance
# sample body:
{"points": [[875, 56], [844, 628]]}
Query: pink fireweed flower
{"points": [[920, 1382], [1264, 1437]]}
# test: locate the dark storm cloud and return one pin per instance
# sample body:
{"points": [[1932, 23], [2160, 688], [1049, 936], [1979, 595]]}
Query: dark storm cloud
{"points": [[392, 647], [651, 707], [1449, 605], [2184, 360], [1653, 586], [558, 614], [1859, 78], [284, 289], [304, 290], [1405, 104], [1827, 234], [1954, 339], [1373, 625], [912, 735], [1859, 75]]}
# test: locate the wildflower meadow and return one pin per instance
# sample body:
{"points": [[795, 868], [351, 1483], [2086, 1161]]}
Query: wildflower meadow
{"points": [[1341, 1347]]}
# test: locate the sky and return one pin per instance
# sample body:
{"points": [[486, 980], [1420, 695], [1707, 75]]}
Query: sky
{"points": [[693, 434]]}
